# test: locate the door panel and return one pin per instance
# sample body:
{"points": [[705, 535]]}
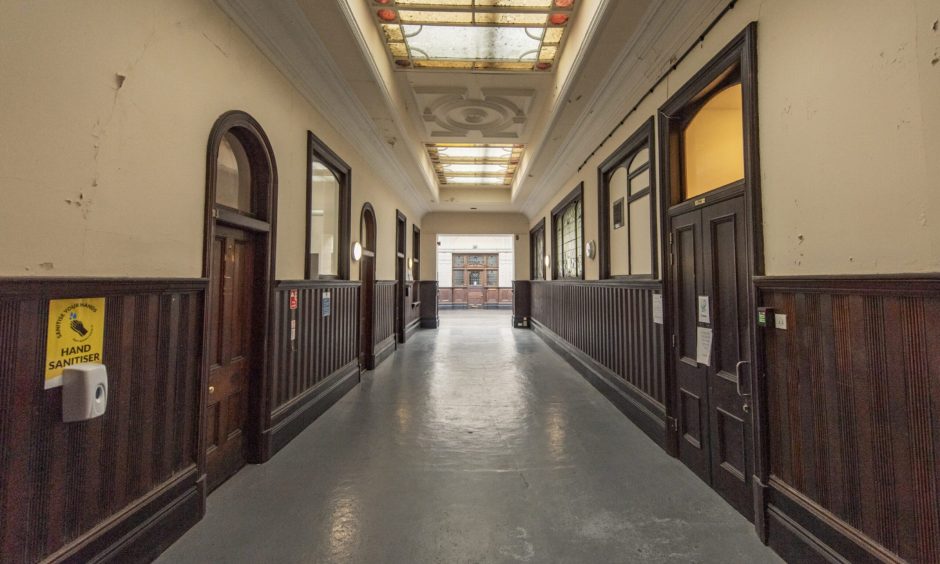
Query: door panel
{"points": [[232, 293], [725, 258], [691, 378], [710, 260]]}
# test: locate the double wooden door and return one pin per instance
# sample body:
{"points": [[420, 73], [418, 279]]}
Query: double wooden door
{"points": [[712, 349], [231, 342]]}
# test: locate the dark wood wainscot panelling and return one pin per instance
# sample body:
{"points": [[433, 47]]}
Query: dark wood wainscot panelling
{"points": [[316, 354], [606, 329], [384, 333], [475, 297], [521, 303], [853, 390], [412, 309], [428, 294], [123, 485]]}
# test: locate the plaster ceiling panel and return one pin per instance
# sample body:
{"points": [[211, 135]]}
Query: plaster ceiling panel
{"points": [[470, 113]]}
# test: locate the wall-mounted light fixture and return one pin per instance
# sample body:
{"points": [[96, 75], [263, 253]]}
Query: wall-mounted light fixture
{"points": [[548, 261], [411, 263], [591, 249], [357, 251]]}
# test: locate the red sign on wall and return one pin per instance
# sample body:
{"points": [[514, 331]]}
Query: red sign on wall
{"points": [[293, 299]]}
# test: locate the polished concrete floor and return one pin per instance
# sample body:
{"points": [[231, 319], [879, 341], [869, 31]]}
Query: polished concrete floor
{"points": [[473, 443]]}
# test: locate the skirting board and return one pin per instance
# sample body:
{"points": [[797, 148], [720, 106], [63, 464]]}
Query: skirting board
{"points": [[801, 531], [305, 410], [411, 328], [382, 351], [145, 529], [647, 417]]}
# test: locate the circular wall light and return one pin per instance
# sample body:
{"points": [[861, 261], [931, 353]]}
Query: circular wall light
{"points": [[591, 249], [357, 251]]}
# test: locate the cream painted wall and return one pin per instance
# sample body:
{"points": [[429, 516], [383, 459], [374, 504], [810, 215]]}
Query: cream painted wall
{"points": [[849, 134], [106, 179], [434, 224]]}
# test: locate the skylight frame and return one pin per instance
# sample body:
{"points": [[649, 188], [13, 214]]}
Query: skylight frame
{"points": [[447, 177], [397, 23]]}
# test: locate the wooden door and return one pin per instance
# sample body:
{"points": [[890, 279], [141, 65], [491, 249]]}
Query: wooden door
{"points": [[709, 289], [231, 340]]}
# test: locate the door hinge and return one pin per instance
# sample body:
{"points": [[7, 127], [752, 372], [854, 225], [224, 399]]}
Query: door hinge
{"points": [[673, 423], [215, 213], [674, 340]]}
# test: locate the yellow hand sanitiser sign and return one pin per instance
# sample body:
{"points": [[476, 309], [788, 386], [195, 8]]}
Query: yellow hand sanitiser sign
{"points": [[75, 335]]}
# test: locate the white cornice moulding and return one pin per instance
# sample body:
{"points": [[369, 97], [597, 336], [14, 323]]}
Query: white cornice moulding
{"points": [[279, 28], [666, 31]]}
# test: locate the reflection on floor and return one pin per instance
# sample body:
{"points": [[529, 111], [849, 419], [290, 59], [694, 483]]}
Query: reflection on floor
{"points": [[473, 443]]}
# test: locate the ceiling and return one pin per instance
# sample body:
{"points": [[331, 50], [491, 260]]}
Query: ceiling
{"points": [[335, 53]]}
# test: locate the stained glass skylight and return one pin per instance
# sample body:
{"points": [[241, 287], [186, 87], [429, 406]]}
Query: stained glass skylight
{"points": [[507, 35], [475, 164]]}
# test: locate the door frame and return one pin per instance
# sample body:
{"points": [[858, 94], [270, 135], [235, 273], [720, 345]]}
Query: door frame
{"points": [[740, 56], [264, 227], [401, 265], [368, 239]]}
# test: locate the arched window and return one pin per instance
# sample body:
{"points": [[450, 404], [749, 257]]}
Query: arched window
{"points": [[627, 209]]}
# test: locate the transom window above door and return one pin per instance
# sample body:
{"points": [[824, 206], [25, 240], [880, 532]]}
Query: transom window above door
{"points": [[500, 35], [713, 144]]}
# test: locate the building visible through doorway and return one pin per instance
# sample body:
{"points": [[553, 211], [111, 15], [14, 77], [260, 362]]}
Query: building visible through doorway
{"points": [[475, 271]]}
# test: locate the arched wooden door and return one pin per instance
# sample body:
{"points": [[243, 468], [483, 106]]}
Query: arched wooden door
{"points": [[367, 238], [238, 262]]}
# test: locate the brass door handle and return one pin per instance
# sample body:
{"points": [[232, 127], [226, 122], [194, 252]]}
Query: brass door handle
{"points": [[737, 373], [212, 389]]}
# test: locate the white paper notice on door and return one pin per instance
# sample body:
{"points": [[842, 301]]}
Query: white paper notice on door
{"points": [[704, 311], [703, 353], [658, 309]]}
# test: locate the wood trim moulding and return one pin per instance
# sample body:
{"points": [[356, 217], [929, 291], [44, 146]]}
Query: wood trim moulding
{"points": [[646, 283], [300, 284], [144, 529], [799, 529], [291, 419], [383, 350], [909, 285], [650, 418], [64, 287]]}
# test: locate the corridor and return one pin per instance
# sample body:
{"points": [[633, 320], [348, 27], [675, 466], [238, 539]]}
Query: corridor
{"points": [[473, 443]]}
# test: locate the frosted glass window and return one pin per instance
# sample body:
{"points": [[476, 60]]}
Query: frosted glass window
{"points": [[627, 190], [713, 144], [474, 180], [618, 236], [324, 220], [233, 175], [468, 164], [480, 152], [500, 35], [479, 168], [641, 159], [641, 256]]}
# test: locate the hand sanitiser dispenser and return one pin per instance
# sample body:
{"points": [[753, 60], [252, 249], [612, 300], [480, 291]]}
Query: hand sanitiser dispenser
{"points": [[84, 392]]}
